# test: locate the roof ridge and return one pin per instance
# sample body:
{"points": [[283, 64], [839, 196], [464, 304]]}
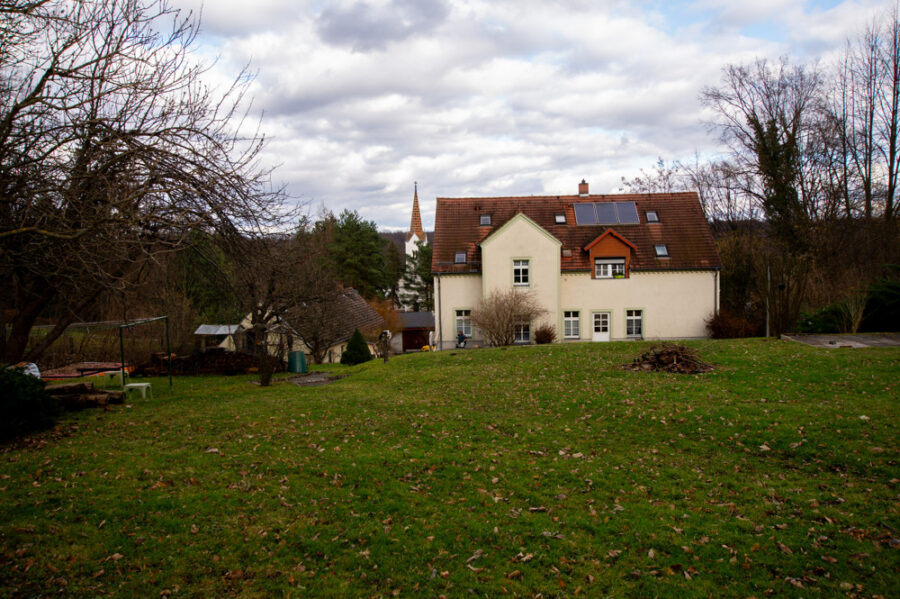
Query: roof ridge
{"points": [[587, 198]]}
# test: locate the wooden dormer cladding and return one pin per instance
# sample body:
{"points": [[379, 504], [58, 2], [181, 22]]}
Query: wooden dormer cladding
{"points": [[611, 245]]}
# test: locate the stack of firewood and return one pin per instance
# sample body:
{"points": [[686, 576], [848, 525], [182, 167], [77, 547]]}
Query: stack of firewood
{"points": [[78, 396], [670, 357]]}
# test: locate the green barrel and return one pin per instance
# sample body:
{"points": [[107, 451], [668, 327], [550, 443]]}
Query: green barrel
{"points": [[296, 361]]}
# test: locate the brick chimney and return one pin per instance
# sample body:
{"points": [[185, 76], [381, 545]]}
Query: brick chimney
{"points": [[583, 188]]}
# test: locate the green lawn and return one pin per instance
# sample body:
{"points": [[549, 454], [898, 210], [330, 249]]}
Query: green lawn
{"points": [[530, 470]]}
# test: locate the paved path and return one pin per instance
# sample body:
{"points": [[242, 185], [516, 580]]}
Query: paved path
{"points": [[871, 340]]}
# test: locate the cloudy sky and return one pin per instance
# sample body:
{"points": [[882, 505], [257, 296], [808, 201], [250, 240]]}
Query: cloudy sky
{"points": [[360, 98]]}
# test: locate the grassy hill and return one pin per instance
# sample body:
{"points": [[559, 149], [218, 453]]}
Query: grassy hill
{"points": [[529, 470]]}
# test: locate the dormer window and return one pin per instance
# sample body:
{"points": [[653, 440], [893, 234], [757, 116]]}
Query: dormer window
{"points": [[652, 216], [609, 268], [485, 220], [459, 258], [559, 218], [661, 251]]}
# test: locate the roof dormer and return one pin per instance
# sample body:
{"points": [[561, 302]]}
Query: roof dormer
{"points": [[607, 252]]}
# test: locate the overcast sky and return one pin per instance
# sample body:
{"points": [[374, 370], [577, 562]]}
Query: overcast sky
{"points": [[362, 98]]}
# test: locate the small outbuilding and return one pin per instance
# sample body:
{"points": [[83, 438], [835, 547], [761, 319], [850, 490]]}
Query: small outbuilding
{"points": [[416, 329], [213, 335]]}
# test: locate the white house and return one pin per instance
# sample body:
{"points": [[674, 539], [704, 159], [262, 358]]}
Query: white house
{"points": [[604, 267]]}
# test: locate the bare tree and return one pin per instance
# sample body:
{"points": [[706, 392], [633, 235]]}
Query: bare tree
{"points": [[860, 107], [889, 108], [662, 179], [864, 111], [501, 311], [767, 116], [111, 151], [287, 285]]}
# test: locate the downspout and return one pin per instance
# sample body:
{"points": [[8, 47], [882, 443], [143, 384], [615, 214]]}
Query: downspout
{"points": [[716, 292], [437, 321]]}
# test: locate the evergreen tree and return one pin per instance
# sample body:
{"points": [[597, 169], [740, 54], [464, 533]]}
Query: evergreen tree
{"points": [[777, 156], [357, 350], [359, 254], [393, 271]]}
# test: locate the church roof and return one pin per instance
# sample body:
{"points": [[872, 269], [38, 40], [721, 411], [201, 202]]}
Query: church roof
{"points": [[415, 225]]}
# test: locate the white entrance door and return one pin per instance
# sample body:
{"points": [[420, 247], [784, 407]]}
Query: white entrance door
{"points": [[601, 326]]}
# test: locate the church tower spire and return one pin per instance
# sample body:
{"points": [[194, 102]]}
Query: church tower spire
{"points": [[415, 225], [416, 233]]}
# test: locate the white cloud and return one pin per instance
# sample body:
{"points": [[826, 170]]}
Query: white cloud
{"points": [[477, 97]]}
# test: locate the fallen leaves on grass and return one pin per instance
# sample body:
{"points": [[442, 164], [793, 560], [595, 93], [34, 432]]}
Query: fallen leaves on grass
{"points": [[523, 557]]}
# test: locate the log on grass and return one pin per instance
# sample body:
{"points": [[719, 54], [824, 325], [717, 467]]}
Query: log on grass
{"points": [[100, 399], [75, 402], [70, 389], [117, 397]]}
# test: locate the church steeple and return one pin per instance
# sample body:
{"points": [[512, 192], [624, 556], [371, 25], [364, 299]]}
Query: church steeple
{"points": [[415, 225]]}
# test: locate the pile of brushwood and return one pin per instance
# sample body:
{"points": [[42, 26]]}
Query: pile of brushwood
{"points": [[670, 357]]}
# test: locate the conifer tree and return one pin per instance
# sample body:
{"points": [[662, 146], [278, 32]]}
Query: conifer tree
{"points": [[357, 350]]}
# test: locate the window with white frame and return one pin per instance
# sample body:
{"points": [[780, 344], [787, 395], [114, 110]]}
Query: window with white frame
{"points": [[459, 257], [522, 332], [608, 268], [571, 324], [652, 216], [484, 220], [661, 250], [559, 218], [520, 272], [464, 322], [634, 323]]}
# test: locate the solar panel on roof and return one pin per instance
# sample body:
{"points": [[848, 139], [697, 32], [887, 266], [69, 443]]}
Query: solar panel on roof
{"points": [[606, 214], [584, 214], [627, 213]]}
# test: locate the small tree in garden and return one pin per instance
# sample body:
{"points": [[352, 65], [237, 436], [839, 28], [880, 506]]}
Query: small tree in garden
{"points": [[501, 311], [357, 350]]}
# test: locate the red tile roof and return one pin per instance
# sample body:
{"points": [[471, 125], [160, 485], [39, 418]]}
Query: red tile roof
{"points": [[681, 227]]}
